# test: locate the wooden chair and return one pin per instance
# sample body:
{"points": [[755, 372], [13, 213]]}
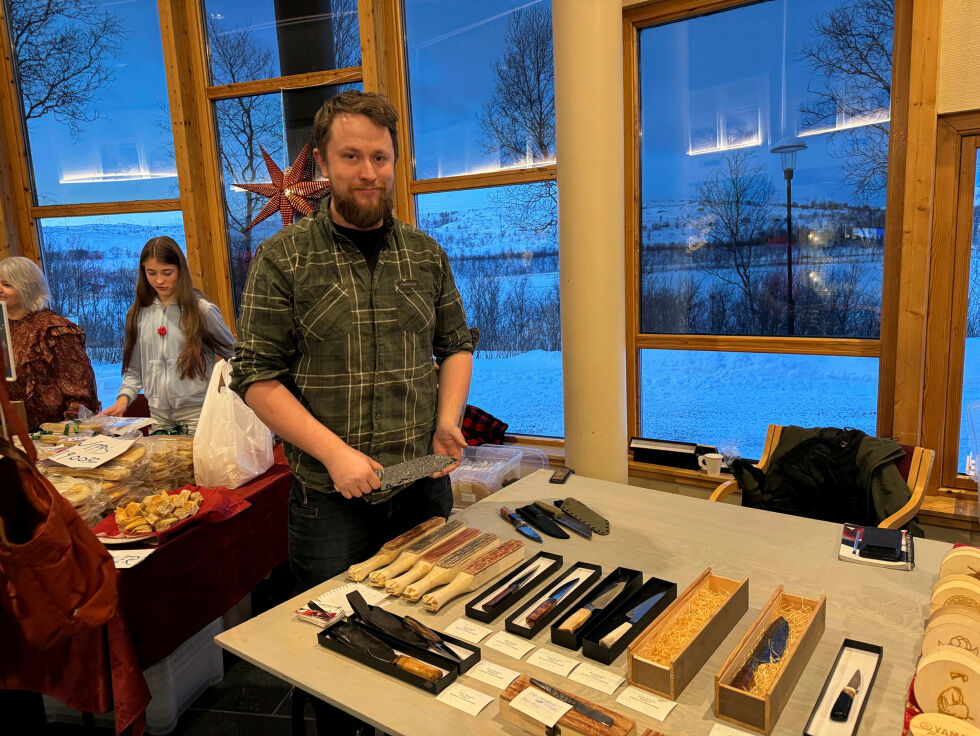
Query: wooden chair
{"points": [[915, 468]]}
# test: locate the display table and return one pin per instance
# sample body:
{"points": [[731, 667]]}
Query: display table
{"points": [[192, 579], [665, 535]]}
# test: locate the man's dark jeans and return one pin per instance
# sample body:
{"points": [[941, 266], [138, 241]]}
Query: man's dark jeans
{"points": [[328, 533]]}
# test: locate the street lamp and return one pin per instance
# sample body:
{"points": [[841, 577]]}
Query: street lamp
{"points": [[787, 150]]}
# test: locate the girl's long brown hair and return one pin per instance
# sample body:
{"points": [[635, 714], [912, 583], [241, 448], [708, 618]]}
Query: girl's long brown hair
{"points": [[191, 363]]}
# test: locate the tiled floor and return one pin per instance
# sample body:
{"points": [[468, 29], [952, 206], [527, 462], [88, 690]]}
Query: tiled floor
{"points": [[247, 702]]}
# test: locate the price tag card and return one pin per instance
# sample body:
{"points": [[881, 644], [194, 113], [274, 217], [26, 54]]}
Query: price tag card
{"points": [[466, 630], [552, 661], [493, 673], [720, 729], [123, 558], [646, 703], [597, 677], [465, 698], [504, 642], [540, 706], [92, 452]]}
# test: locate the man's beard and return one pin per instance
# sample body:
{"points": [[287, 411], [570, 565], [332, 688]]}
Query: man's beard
{"points": [[362, 216]]}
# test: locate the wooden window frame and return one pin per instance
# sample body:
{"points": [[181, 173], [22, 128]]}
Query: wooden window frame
{"points": [[907, 236]]}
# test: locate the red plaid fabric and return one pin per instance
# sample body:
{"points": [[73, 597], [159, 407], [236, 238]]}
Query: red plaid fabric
{"points": [[481, 428]]}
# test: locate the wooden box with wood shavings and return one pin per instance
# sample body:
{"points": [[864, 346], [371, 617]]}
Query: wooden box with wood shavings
{"points": [[667, 656], [766, 689]]}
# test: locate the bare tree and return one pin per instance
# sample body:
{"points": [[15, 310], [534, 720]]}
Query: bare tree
{"points": [[852, 55], [732, 219], [62, 48], [518, 120]]}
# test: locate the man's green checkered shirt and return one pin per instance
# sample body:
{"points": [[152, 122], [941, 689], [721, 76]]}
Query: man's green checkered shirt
{"points": [[354, 347]]}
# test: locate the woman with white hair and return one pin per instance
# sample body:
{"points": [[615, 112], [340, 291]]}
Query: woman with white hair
{"points": [[54, 375]]}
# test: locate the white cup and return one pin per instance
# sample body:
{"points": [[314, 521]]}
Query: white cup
{"points": [[710, 463]]}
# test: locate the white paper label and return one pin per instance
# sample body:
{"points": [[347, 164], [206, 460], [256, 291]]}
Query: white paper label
{"points": [[466, 630], [123, 558], [720, 729], [337, 598], [552, 661], [130, 424], [596, 677], [646, 703], [493, 674], [465, 698], [504, 642], [92, 452], [540, 706]]}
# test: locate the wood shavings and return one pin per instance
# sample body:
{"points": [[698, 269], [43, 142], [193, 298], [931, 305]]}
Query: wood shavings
{"points": [[797, 615], [665, 647]]}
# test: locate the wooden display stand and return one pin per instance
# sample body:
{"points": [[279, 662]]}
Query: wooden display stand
{"points": [[670, 681], [761, 713]]}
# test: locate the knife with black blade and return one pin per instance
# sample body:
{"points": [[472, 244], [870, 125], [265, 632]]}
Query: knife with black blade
{"points": [[412, 470], [513, 587], [520, 524], [577, 705], [551, 601], [359, 639], [431, 637], [541, 521], [574, 622], [632, 617], [770, 648], [842, 706], [569, 522]]}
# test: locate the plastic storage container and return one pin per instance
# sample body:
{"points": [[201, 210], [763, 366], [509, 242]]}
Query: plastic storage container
{"points": [[174, 682], [488, 468]]}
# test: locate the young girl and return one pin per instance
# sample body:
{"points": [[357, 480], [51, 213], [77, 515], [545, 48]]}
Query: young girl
{"points": [[172, 337]]}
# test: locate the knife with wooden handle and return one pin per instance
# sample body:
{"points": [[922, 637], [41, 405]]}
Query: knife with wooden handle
{"points": [[551, 601], [448, 567], [478, 573], [396, 586], [414, 551], [574, 622], [389, 550]]}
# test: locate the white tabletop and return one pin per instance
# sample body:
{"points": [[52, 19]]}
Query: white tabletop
{"points": [[664, 535]]}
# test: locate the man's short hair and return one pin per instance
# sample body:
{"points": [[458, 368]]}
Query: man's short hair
{"points": [[376, 108]]}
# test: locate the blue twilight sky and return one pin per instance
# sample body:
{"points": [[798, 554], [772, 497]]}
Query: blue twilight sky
{"points": [[737, 73]]}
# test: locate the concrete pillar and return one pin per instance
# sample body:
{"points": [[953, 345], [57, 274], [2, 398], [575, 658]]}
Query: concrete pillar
{"points": [[589, 126]]}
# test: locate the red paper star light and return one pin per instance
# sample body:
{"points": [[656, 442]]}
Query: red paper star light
{"points": [[288, 192]]}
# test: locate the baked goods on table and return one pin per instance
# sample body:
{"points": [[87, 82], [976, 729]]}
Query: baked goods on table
{"points": [[158, 512]]}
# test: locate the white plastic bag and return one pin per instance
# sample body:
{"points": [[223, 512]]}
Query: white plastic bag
{"points": [[231, 445]]}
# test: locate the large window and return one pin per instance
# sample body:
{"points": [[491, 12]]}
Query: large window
{"points": [[762, 173], [481, 85], [971, 358]]}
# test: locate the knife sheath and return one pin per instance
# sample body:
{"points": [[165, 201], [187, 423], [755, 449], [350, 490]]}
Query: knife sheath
{"points": [[448, 567], [414, 551], [389, 550], [541, 521], [477, 573], [396, 586], [358, 639], [578, 510]]}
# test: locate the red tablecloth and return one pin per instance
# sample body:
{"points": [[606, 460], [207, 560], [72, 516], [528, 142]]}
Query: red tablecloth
{"points": [[188, 582]]}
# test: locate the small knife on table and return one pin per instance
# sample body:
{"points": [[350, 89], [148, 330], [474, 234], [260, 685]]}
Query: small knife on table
{"points": [[574, 622], [842, 706], [569, 522], [520, 524], [577, 705], [632, 617], [541, 521], [513, 587], [551, 601]]}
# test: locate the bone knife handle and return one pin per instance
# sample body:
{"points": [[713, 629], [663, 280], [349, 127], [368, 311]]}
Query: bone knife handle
{"points": [[540, 611], [417, 668], [462, 583], [437, 576], [403, 563], [397, 585], [613, 636], [574, 622]]}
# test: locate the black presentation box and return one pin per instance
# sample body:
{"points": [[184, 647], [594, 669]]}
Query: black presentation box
{"points": [[474, 607], [667, 452], [633, 578], [587, 573], [591, 647]]}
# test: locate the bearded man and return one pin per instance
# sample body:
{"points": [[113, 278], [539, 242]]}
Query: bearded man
{"points": [[341, 316]]}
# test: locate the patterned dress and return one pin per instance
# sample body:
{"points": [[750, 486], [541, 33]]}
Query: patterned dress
{"points": [[54, 375]]}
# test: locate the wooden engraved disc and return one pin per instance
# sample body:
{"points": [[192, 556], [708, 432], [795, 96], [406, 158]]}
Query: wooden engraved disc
{"points": [[947, 681], [961, 561], [931, 724], [953, 626], [956, 590]]}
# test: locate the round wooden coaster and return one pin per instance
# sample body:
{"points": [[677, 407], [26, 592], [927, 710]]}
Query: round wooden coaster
{"points": [[953, 626], [947, 681], [956, 590], [961, 561], [931, 724]]}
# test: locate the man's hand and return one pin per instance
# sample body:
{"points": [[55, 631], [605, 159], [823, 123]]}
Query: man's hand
{"points": [[117, 409], [353, 473], [448, 440]]}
